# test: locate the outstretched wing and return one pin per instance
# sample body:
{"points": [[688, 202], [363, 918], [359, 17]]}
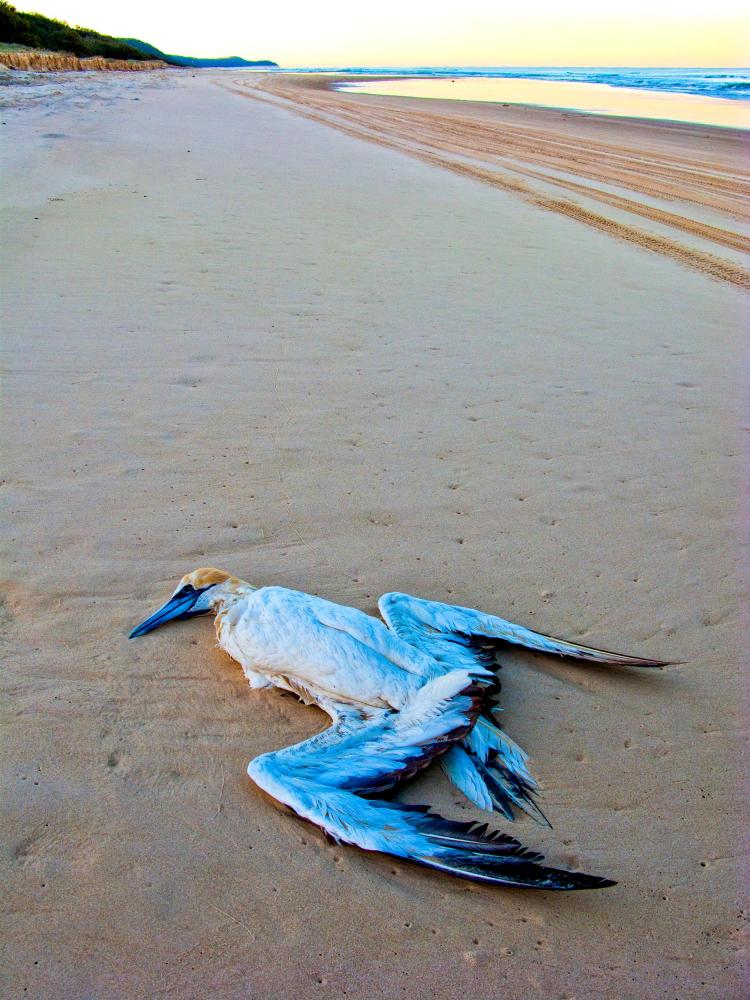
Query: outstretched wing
{"points": [[324, 780], [429, 624]]}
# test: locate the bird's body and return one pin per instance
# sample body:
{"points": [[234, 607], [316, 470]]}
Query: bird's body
{"points": [[400, 693], [338, 656]]}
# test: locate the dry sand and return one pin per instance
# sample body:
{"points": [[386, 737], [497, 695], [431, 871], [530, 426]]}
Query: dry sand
{"points": [[236, 336]]}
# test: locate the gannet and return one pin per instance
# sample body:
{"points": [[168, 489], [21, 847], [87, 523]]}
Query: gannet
{"points": [[400, 693]]}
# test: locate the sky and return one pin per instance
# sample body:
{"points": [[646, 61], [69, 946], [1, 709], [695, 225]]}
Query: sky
{"points": [[340, 33]]}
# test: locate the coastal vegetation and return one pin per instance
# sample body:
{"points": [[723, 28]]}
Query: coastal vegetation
{"points": [[35, 31], [20, 32]]}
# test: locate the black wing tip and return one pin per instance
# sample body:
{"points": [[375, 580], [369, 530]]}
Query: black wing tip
{"points": [[606, 658], [580, 880], [566, 882], [527, 873], [481, 855], [514, 873], [643, 662], [532, 875]]}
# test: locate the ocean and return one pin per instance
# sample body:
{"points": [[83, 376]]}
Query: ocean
{"points": [[729, 84]]}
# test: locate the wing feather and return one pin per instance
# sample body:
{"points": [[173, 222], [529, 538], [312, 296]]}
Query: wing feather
{"points": [[424, 622]]}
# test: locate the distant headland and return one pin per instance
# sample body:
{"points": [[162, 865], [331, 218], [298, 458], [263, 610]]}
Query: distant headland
{"points": [[231, 62]]}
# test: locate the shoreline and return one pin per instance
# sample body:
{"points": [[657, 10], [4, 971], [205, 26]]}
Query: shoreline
{"points": [[658, 105], [674, 188]]}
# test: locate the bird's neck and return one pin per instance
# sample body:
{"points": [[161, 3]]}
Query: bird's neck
{"points": [[229, 594]]}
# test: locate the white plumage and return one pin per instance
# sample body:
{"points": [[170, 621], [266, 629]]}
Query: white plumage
{"points": [[400, 693]]}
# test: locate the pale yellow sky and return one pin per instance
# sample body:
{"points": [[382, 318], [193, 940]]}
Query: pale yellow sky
{"points": [[417, 32]]}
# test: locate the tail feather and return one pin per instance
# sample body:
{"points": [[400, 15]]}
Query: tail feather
{"points": [[460, 768], [500, 765], [508, 790]]}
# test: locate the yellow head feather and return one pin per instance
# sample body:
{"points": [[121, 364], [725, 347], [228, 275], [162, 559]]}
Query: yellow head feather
{"points": [[207, 576]]}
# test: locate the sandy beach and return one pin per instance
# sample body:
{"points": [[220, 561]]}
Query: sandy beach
{"points": [[301, 336]]}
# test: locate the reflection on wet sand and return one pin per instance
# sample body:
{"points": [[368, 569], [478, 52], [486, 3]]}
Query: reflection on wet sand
{"points": [[590, 97]]}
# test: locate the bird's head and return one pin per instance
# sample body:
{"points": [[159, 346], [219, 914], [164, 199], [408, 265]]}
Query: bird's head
{"points": [[197, 593]]}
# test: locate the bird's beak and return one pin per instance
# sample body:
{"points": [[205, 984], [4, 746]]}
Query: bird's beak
{"points": [[177, 608]]}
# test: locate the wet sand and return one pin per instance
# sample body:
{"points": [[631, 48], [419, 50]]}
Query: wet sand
{"points": [[237, 336], [604, 99]]}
